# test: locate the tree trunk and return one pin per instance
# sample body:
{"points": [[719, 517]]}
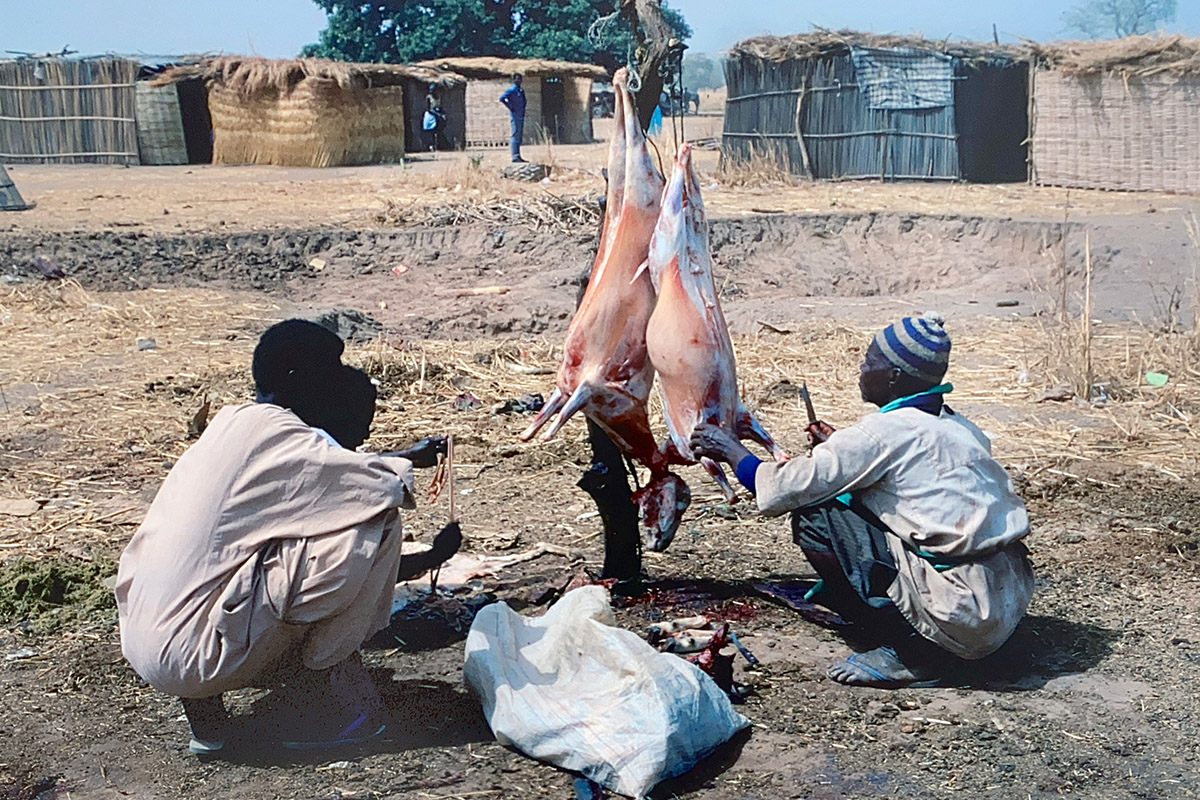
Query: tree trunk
{"points": [[607, 482], [655, 47]]}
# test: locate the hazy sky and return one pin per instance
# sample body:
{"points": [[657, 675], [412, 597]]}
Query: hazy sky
{"points": [[279, 28]]}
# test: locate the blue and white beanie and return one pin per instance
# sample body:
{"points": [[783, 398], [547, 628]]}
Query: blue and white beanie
{"points": [[917, 346]]}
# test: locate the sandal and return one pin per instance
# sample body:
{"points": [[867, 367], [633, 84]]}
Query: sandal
{"points": [[882, 668]]}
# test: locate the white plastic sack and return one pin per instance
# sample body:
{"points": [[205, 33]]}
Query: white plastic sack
{"points": [[569, 689]]}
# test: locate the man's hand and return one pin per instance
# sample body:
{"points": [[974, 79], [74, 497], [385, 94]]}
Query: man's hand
{"points": [[424, 453], [819, 432], [445, 545], [447, 542], [717, 444]]}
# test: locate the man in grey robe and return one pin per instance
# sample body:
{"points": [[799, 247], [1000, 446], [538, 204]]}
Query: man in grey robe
{"points": [[913, 527], [271, 551]]}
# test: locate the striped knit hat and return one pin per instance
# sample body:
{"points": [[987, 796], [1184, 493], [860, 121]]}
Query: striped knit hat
{"points": [[918, 346]]}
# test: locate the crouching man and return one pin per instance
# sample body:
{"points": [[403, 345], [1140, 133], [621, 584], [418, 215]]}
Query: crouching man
{"points": [[270, 553], [911, 524]]}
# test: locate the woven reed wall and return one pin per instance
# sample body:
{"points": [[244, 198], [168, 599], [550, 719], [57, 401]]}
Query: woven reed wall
{"points": [[577, 122], [81, 112], [760, 111], [316, 124], [160, 125], [488, 122], [808, 116], [1107, 132]]}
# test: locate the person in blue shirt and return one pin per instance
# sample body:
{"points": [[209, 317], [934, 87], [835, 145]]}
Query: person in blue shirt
{"points": [[514, 101]]}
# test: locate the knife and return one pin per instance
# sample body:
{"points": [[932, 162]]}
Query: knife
{"points": [[808, 406]]}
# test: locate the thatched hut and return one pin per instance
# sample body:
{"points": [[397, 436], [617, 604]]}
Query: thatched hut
{"points": [[558, 98], [1121, 114], [845, 105], [68, 111], [317, 113]]}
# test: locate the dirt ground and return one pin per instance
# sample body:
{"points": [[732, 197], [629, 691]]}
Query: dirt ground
{"points": [[1095, 696]]}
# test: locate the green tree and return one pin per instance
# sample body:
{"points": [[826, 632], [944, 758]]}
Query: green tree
{"points": [[396, 31], [702, 72], [1100, 18]]}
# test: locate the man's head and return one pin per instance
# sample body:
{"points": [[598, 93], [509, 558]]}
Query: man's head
{"points": [[348, 415], [906, 358], [433, 88], [292, 357], [517, 79], [297, 365]]}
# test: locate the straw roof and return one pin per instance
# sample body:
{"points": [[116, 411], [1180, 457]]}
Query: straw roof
{"points": [[1133, 55], [824, 43], [253, 75], [494, 67]]}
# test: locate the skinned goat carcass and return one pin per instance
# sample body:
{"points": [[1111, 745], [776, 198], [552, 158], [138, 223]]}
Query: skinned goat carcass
{"points": [[606, 372], [687, 337]]}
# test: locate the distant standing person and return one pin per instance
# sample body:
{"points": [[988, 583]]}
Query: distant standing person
{"points": [[434, 118], [514, 101]]}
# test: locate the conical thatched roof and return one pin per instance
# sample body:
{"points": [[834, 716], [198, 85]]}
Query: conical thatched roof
{"points": [[495, 67], [252, 75]]}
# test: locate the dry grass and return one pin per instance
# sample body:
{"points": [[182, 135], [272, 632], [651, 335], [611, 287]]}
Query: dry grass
{"points": [[254, 76], [89, 425], [1133, 55], [822, 43], [566, 215], [493, 67], [465, 192], [1170, 345], [761, 170]]}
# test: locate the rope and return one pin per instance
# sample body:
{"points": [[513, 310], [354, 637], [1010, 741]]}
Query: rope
{"points": [[601, 29], [447, 463], [635, 78]]}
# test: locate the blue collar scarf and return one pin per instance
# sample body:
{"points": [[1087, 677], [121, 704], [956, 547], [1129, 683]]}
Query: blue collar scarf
{"points": [[930, 401]]}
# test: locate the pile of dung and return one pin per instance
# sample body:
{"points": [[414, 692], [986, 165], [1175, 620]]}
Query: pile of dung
{"points": [[46, 592]]}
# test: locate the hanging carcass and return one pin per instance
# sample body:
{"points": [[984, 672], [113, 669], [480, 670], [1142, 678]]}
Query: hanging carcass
{"points": [[687, 338], [606, 372]]}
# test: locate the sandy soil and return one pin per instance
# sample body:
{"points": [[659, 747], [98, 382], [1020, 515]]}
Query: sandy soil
{"points": [[1093, 697], [212, 199]]}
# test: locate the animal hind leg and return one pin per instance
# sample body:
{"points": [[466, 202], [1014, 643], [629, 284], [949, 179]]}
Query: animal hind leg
{"points": [[748, 427], [552, 406], [718, 475], [574, 404]]}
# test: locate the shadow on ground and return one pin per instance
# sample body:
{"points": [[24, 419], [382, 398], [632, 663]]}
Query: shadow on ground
{"points": [[1042, 648], [419, 714]]}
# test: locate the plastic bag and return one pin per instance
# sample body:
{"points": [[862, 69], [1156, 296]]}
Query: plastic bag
{"points": [[569, 689]]}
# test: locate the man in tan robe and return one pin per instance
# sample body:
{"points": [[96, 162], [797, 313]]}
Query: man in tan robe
{"points": [[913, 527], [273, 548]]}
